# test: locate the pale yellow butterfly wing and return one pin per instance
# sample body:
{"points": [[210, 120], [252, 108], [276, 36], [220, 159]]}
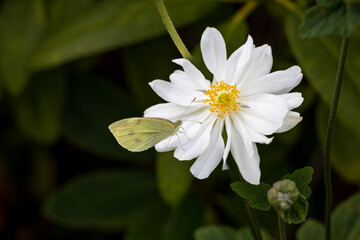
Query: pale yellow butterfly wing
{"points": [[140, 134]]}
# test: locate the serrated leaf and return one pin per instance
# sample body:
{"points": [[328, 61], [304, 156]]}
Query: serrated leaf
{"points": [[101, 200], [296, 213], [302, 177], [108, 25], [342, 19], [21, 26], [255, 194], [346, 219], [173, 177], [38, 109], [311, 230]]}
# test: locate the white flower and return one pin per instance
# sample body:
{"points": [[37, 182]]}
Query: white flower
{"points": [[244, 98]]}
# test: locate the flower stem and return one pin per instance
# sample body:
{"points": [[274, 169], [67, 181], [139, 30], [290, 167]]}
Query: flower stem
{"points": [[240, 16], [281, 228], [291, 6], [171, 30], [329, 135], [236, 176]]}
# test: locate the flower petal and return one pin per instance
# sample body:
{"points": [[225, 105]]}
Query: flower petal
{"points": [[277, 82], [188, 130], [177, 94], [291, 120], [211, 157], [238, 60], [248, 165], [294, 99], [191, 77], [259, 64], [197, 144], [214, 53], [170, 111], [228, 126], [264, 112], [248, 134]]}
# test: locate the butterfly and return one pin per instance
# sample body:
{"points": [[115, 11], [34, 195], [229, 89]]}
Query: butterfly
{"points": [[141, 133]]}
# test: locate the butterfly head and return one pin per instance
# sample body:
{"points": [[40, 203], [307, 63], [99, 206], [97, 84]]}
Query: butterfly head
{"points": [[177, 123]]}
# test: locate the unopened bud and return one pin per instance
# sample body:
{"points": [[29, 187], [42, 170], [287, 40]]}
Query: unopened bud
{"points": [[283, 194]]}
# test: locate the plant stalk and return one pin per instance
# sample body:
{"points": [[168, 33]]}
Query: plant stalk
{"points": [[281, 228], [236, 176], [329, 136], [171, 30]]}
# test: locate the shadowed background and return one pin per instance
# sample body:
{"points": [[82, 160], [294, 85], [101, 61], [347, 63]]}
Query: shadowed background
{"points": [[69, 68]]}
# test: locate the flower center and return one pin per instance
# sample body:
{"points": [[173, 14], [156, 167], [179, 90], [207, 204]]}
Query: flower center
{"points": [[222, 98]]}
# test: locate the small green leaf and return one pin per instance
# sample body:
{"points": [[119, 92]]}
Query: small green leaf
{"points": [[255, 194], [311, 230], [38, 109], [296, 213], [346, 219], [302, 177], [101, 200], [342, 19], [173, 177], [21, 26]]}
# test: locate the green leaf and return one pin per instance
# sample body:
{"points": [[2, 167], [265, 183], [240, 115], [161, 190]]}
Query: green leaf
{"points": [[173, 177], [64, 9], [255, 194], [311, 230], [159, 67], [158, 223], [296, 213], [328, 3], [319, 59], [346, 219], [101, 200], [84, 127], [110, 24], [342, 19], [38, 109], [302, 177], [223, 232], [21, 24], [345, 151], [216, 233]]}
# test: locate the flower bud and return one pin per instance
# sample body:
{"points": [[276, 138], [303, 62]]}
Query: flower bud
{"points": [[283, 194]]}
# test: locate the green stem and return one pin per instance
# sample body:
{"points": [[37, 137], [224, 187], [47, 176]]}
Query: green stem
{"points": [[239, 16], [171, 30], [329, 135], [281, 228], [236, 176], [291, 7]]}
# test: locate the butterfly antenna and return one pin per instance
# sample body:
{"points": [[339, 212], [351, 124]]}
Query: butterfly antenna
{"points": [[187, 108]]}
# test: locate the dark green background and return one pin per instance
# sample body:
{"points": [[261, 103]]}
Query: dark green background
{"points": [[70, 68]]}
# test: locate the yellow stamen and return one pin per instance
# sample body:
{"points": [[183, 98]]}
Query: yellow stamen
{"points": [[222, 98]]}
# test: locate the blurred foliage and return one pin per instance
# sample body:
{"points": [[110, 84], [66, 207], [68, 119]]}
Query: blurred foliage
{"points": [[345, 221], [70, 68]]}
